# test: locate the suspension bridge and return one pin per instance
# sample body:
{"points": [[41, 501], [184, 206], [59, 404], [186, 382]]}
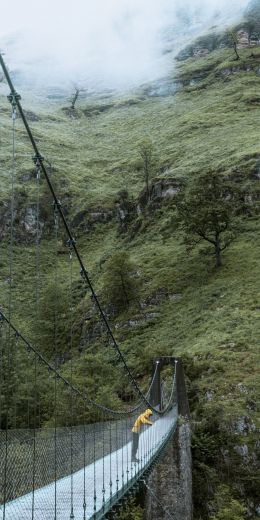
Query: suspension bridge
{"points": [[81, 469]]}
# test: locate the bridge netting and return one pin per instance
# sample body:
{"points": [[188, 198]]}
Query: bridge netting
{"points": [[65, 450]]}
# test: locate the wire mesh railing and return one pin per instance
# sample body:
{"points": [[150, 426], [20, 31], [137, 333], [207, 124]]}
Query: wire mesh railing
{"points": [[20, 463], [53, 468], [105, 448]]}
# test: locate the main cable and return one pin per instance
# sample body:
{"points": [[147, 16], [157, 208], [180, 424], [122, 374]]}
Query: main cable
{"points": [[67, 383], [71, 241], [12, 100]]}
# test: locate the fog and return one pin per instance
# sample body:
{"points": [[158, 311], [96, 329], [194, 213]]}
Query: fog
{"points": [[102, 43]]}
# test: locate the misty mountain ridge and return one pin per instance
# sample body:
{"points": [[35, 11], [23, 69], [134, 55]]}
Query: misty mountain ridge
{"points": [[132, 56]]}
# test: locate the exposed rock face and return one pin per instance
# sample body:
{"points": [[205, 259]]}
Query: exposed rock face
{"points": [[87, 220], [24, 221], [243, 39], [125, 210], [236, 70], [171, 479], [242, 450], [165, 188], [160, 189], [29, 221], [200, 52], [244, 426]]}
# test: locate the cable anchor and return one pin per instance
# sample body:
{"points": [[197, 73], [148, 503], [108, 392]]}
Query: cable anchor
{"points": [[71, 242], [17, 335], [83, 274], [38, 159], [14, 97], [56, 204]]}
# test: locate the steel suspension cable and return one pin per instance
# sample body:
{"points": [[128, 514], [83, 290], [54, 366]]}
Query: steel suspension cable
{"points": [[1, 370], [61, 378], [117, 476], [84, 461], [34, 434], [71, 386], [72, 243], [37, 258], [122, 453], [103, 463], [110, 463], [15, 381], [94, 467], [56, 229], [13, 102]]}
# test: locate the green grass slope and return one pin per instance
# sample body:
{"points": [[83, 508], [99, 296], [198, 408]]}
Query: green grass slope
{"points": [[186, 307]]}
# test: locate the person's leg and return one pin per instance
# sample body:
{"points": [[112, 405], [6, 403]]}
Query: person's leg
{"points": [[135, 444]]}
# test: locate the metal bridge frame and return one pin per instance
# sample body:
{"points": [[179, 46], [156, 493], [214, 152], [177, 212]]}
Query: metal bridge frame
{"points": [[156, 391]]}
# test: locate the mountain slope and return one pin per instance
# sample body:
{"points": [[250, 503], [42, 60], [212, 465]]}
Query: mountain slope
{"points": [[185, 306]]}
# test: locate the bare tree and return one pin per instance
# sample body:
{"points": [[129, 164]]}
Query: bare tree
{"points": [[75, 96], [146, 152], [234, 40]]}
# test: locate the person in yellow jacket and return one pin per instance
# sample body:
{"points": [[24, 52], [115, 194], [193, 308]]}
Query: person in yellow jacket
{"points": [[142, 419]]}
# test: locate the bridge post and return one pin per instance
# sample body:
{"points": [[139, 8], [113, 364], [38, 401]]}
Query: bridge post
{"points": [[155, 397], [156, 390], [171, 478]]}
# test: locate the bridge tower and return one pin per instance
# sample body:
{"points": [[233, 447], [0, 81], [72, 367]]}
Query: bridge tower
{"points": [[171, 478]]}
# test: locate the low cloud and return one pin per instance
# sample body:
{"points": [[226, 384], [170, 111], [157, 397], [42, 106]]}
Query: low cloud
{"points": [[101, 43]]}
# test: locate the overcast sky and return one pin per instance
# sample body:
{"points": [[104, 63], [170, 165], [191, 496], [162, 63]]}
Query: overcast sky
{"points": [[102, 42]]}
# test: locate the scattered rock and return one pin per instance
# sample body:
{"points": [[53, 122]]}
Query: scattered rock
{"points": [[29, 221], [87, 220], [28, 176], [129, 324], [244, 426], [242, 450], [165, 188], [160, 189], [175, 297], [200, 52], [209, 395], [242, 39], [151, 316], [242, 389], [159, 296]]}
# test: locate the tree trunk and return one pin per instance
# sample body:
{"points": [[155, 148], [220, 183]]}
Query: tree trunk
{"points": [[235, 49], [218, 252], [74, 99], [147, 182], [124, 290]]}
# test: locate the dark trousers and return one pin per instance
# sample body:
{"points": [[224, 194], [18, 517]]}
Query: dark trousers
{"points": [[135, 439]]}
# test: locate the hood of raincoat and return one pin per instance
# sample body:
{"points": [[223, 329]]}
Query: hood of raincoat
{"points": [[148, 412]]}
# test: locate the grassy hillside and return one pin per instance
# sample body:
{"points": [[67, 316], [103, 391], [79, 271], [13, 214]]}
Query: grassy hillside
{"points": [[186, 306]]}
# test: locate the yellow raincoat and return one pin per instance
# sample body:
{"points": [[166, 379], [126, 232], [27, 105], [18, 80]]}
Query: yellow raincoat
{"points": [[142, 419]]}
